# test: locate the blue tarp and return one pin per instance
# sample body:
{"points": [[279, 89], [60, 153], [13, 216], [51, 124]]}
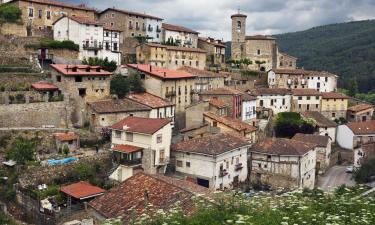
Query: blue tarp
{"points": [[54, 162]]}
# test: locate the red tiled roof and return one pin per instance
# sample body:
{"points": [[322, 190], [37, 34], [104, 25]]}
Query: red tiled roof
{"points": [[81, 20], [141, 125], [361, 128], [117, 105], [41, 86], [222, 91], [334, 95], [319, 119], [70, 136], [304, 72], [360, 107], [211, 42], [82, 190], [202, 73], [67, 70], [150, 100], [259, 37], [126, 148], [131, 13], [281, 146], [211, 145], [272, 91], [217, 103], [161, 72], [247, 97], [305, 92], [231, 122], [287, 55], [60, 4], [320, 140], [176, 48], [128, 200], [172, 27]]}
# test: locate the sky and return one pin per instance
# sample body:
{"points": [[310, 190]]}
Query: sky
{"points": [[212, 17]]}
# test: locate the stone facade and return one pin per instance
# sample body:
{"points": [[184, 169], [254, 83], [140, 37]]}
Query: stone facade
{"points": [[286, 61], [215, 51], [38, 16], [13, 29], [238, 36]]}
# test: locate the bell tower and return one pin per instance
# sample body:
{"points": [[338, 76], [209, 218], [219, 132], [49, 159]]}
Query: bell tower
{"points": [[238, 35]]}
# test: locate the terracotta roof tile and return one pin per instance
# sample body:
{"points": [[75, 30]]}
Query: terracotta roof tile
{"points": [[281, 146], [360, 107], [212, 41], [211, 145], [132, 13], [217, 103], [42, 86], [272, 91], [161, 72], [304, 72], [81, 20], [259, 37], [305, 92], [238, 15], [68, 70], [130, 197], [231, 122], [334, 95], [61, 4], [70, 136], [320, 140], [82, 190], [141, 125], [247, 97], [202, 73], [176, 48], [360, 128], [319, 119], [172, 27], [126, 148], [222, 91], [117, 105], [150, 100]]}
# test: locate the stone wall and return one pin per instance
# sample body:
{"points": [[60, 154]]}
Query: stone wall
{"points": [[13, 29], [57, 114], [63, 53]]}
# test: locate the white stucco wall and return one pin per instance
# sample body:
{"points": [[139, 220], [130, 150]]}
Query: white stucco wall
{"points": [[271, 79], [157, 36], [249, 110], [327, 84], [330, 131], [345, 137], [277, 102]]}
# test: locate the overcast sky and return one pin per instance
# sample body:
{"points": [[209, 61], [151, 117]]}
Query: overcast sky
{"points": [[212, 17]]}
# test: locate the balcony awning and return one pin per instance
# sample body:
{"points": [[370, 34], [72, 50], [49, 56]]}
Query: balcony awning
{"points": [[126, 148]]}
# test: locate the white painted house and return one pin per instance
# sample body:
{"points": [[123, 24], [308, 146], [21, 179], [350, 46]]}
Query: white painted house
{"points": [[355, 134], [91, 37], [276, 99], [218, 161], [181, 36], [324, 125], [249, 105], [154, 29], [140, 144], [283, 163]]}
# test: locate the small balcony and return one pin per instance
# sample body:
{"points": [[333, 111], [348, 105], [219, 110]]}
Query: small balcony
{"points": [[223, 173], [192, 91], [238, 167], [133, 162], [163, 161], [150, 29], [158, 30], [92, 47], [143, 28], [188, 42], [170, 94], [137, 28], [131, 27]]}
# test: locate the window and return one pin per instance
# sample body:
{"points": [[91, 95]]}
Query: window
{"points": [[308, 107], [317, 97], [179, 163], [187, 164], [258, 51], [107, 34], [78, 79], [48, 15], [118, 134], [40, 13], [283, 101], [58, 78], [271, 101], [261, 102], [31, 12], [113, 15], [159, 138], [214, 124], [299, 106], [238, 25], [82, 92], [129, 137], [115, 47], [300, 98]]}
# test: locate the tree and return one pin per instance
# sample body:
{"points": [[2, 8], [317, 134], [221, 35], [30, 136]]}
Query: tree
{"points": [[10, 13], [66, 150], [119, 86], [104, 63], [135, 83], [353, 87], [22, 150]]}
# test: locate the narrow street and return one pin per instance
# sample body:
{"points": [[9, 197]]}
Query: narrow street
{"points": [[335, 177]]}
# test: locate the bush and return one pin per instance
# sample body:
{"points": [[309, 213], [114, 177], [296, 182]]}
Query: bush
{"points": [[53, 44], [22, 150], [104, 63], [366, 173], [119, 86], [287, 124], [10, 13], [66, 150]]}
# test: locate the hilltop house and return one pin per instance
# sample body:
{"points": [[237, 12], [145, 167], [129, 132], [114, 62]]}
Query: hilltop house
{"points": [[283, 163], [215, 51], [140, 144], [355, 134], [360, 112], [223, 157], [334, 105]]}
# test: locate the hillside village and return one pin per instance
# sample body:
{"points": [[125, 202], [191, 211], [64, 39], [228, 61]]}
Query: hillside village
{"points": [[103, 113]]}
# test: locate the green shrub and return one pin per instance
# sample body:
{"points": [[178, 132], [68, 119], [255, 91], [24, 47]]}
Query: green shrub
{"points": [[104, 63], [66, 150], [10, 13], [366, 172], [53, 44]]}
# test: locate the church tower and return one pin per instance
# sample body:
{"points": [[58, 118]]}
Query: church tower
{"points": [[238, 35]]}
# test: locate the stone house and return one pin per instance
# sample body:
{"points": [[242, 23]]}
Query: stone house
{"points": [[105, 113], [220, 165], [323, 125], [38, 16], [305, 100], [140, 144], [230, 96], [170, 57], [323, 149], [228, 124], [286, 61], [283, 163], [142, 192], [215, 51], [89, 34], [132, 24], [181, 36], [69, 139], [334, 105], [355, 134], [83, 84], [206, 80], [360, 112], [46, 89], [160, 107], [276, 99]]}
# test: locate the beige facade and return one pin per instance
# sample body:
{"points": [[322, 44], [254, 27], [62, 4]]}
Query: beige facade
{"points": [[334, 107], [286, 61], [170, 57], [215, 51], [306, 100], [38, 16]]}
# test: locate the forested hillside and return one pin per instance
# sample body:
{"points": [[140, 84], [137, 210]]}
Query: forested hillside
{"points": [[347, 49]]}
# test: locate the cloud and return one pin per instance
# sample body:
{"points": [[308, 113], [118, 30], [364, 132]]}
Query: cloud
{"points": [[212, 17]]}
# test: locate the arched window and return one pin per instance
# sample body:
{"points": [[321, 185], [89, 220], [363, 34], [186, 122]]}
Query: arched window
{"points": [[238, 24]]}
